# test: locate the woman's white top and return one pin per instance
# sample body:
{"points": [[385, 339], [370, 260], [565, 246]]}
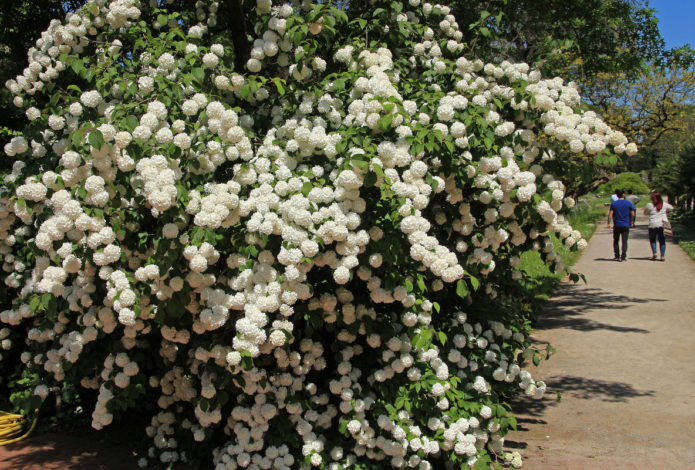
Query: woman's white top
{"points": [[656, 218]]}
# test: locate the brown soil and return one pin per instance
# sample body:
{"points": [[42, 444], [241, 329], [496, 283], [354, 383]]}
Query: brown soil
{"points": [[621, 387]]}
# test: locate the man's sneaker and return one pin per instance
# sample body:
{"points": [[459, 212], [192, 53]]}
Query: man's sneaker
{"points": [[616, 259], [623, 259]]}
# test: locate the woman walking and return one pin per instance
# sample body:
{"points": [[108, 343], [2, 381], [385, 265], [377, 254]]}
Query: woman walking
{"points": [[657, 210]]}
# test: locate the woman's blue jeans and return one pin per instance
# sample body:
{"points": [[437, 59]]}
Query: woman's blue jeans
{"points": [[654, 233]]}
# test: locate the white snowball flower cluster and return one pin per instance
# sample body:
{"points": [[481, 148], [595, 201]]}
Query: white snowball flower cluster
{"points": [[281, 264], [158, 181]]}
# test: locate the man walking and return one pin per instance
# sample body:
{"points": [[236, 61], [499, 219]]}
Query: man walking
{"points": [[622, 213]]}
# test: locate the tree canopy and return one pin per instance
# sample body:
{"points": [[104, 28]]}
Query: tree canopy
{"points": [[574, 39]]}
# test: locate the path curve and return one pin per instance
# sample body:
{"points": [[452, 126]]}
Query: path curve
{"points": [[624, 366]]}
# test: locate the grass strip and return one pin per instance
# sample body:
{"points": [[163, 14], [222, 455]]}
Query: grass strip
{"points": [[683, 223], [582, 217]]}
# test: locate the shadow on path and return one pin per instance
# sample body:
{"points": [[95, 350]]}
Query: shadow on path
{"points": [[572, 301], [61, 451], [575, 388]]}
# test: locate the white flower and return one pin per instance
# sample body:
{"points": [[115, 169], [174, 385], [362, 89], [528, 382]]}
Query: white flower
{"points": [[254, 65], [631, 149], [210, 60], [166, 61], [41, 391], [354, 426], [217, 49], [33, 113], [91, 99], [164, 135]]}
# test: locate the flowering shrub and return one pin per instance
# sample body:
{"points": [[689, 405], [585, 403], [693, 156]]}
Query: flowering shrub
{"points": [[310, 261]]}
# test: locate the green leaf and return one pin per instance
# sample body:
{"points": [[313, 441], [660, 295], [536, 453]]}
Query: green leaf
{"points": [[96, 139], [442, 337], [77, 66], [408, 285], [461, 288], [306, 188], [415, 340], [131, 122], [198, 74], [339, 85], [162, 19], [245, 92], [279, 85], [370, 179], [384, 122], [45, 301], [475, 283], [34, 303], [400, 401], [76, 138]]}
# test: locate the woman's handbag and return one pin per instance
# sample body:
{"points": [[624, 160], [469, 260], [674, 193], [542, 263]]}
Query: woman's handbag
{"points": [[668, 230]]}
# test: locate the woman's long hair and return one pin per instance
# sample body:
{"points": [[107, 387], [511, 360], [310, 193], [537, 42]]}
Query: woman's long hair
{"points": [[657, 201]]}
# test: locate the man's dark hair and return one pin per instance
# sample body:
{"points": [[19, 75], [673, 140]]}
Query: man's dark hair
{"points": [[629, 191], [620, 193]]}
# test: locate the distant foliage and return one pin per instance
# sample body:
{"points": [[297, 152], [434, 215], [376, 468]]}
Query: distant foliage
{"points": [[625, 181]]}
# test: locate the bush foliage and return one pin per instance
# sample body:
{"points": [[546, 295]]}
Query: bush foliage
{"points": [[308, 259]]}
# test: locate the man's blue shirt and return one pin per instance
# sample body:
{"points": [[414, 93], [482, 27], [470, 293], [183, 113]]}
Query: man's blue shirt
{"points": [[621, 212]]}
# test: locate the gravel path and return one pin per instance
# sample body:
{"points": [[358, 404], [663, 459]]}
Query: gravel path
{"points": [[624, 369]]}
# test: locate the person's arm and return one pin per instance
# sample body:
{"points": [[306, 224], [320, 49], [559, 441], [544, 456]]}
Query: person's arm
{"points": [[610, 217], [632, 217]]}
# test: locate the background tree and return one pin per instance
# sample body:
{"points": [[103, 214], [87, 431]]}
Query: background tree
{"points": [[651, 108], [21, 24], [576, 39], [674, 176]]}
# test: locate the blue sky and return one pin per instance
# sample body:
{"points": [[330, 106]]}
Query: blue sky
{"points": [[676, 21]]}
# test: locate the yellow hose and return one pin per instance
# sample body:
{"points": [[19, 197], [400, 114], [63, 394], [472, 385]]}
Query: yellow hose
{"points": [[12, 427]]}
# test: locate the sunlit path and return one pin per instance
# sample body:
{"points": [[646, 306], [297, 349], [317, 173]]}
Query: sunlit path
{"points": [[624, 368]]}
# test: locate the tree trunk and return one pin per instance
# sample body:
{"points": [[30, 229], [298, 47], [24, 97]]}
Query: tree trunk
{"points": [[242, 48]]}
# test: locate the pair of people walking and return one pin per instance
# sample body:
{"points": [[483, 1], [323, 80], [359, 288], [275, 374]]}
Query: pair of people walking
{"points": [[622, 212]]}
